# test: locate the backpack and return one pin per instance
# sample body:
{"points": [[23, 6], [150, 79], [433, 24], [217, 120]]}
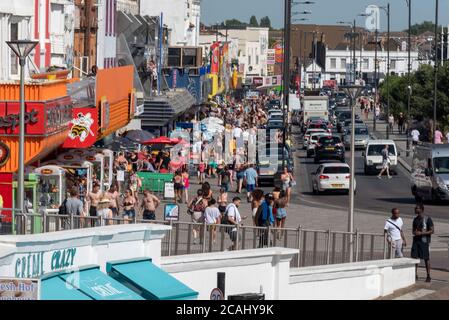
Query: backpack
{"points": [[225, 219], [63, 208]]}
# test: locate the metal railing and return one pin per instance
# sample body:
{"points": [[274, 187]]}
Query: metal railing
{"points": [[315, 247]]}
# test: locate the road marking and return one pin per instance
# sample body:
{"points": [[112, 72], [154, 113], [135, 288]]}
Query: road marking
{"points": [[415, 294]]}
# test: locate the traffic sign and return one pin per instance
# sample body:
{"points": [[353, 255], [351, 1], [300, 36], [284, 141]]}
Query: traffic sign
{"points": [[216, 294]]}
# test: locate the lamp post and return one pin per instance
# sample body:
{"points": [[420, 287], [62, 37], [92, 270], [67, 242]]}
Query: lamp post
{"points": [[286, 76], [353, 92], [435, 71], [21, 48], [409, 88], [387, 10], [353, 35]]}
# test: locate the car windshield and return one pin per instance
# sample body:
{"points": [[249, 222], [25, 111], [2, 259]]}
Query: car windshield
{"points": [[441, 164], [318, 126], [326, 141], [308, 132], [336, 170], [376, 150], [344, 116]]}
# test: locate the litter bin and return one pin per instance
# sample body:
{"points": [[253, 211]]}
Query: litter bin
{"points": [[247, 296]]}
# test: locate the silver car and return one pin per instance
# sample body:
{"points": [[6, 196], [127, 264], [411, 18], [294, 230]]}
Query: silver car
{"points": [[361, 137]]}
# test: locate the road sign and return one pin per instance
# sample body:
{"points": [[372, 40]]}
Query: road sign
{"points": [[216, 294]]}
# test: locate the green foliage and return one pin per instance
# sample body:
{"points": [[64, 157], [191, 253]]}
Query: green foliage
{"points": [[265, 22], [233, 24], [419, 28], [253, 22], [421, 102]]}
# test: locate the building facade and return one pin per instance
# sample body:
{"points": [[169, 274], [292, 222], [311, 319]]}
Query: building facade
{"points": [[181, 16], [338, 63]]}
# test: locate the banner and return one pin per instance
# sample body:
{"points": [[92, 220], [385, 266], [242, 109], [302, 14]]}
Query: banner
{"points": [[271, 57], [83, 128], [19, 289], [279, 53], [215, 58]]}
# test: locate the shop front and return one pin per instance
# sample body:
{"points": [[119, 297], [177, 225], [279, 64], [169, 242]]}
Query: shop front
{"points": [[48, 110]]}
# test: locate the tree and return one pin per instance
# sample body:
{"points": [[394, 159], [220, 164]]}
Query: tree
{"points": [[253, 22], [419, 28], [265, 22], [233, 24]]}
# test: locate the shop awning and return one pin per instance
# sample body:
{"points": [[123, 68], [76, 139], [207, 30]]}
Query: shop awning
{"points": [[86, 284], [150, 281]]}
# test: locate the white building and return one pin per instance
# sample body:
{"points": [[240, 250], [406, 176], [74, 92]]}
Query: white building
{"points": [[62, 32], [338, 63], [128, 6], [16, 23], [253, 49], [181, 16]]}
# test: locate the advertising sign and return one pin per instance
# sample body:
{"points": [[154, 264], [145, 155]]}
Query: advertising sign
{"points": [[279, 53], [215, 58], [105, 114], [171, 212], [216, 294], [19, 289], [5, 196], [169, 190], [83, 128], [5, 153], [271, 57]]}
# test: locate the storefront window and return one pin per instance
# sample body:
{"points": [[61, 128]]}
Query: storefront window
{"points": [[14, 35]]}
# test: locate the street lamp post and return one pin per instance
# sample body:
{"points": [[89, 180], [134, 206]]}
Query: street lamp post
{"points": [[435, 71], [353, 35], [22, 48], [387, 10], [353, 92], [409, 89], [286, 91]]}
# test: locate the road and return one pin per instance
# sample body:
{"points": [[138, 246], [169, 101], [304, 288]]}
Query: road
{"points": [[373, 195]]}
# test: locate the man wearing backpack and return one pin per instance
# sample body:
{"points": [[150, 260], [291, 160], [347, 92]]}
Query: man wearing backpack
{"points": [[393, 228], [264, 218], [422, 231]]}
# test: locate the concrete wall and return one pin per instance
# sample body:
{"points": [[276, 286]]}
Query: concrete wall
{"points": [[268, 270], [92, 246]]}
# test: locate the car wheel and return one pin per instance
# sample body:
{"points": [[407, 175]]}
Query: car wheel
{"points": [[314, 190]]}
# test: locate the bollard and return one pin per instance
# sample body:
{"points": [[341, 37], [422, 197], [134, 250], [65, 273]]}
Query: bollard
{"points": [[328, 246]]}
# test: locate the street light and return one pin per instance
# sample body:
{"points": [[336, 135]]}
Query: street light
{"points": [[409, 91], [387, 11], [21, 48], [353, 92], [436, 72], [353, 35]]}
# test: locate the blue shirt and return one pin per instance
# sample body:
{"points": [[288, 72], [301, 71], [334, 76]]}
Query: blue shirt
{"points": [[267, 213], [250, 175]]}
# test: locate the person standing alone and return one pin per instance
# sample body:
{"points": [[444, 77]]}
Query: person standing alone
{"points": [[422, 230], [393, 228], [385, 163]]}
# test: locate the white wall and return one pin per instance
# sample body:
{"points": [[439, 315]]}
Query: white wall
{"points": [[249, 270], [177, 17], [93, 246]]}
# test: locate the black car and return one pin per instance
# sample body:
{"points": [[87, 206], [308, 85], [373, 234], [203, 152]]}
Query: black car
{"points": [[329, 148], [341, 99]]}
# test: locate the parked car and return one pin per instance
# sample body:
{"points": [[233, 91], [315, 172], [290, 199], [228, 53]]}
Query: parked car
{"points": [[332, 177]]}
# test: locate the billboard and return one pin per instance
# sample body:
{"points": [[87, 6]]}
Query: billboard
{"points": [[271, 57]]}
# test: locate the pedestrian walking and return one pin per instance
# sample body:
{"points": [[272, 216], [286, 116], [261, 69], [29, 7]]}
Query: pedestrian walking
{"points": [[129, 203], [225, 178], [257, 198], [93, 198], [177, 179], [385, 163], [281, 212], [415, 137], [222, 201], [438, 136], [423, 228], [264, 218], [391, 122], [251, 177], [186, 184], [196, 209], [395, 235], [240, 175], [213, 217], [401, 123], [113, 197], [233, 218], [149, 205], [201, 171], [288, 181]]}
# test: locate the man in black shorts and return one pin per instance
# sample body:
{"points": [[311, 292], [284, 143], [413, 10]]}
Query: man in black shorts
{"points": [[422, 231]]}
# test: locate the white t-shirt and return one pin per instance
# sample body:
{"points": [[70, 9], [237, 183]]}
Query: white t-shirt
{"points": [[447, 136], [392, 231], [233, 212], [245, 135], [211, 214], [415, 135], [237, 132]]}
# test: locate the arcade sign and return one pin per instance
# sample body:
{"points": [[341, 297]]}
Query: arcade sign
{"points": [[12, 120]]}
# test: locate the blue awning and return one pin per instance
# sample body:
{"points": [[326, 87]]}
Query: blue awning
{"points": [[56, 288], [150, 281], [86, 284]]}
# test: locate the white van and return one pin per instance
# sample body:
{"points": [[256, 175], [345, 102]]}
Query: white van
{"points": [[372, 156]]}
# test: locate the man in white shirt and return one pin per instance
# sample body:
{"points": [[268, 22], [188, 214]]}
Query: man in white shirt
{"points": [[393, 228], [237, 132], [415, 136], [233, 219]]}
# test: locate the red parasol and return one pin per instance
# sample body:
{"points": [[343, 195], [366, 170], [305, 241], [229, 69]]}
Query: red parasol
{"points": [[159, 140]]}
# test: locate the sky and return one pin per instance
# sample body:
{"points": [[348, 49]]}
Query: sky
{"points": [[323, 11]]}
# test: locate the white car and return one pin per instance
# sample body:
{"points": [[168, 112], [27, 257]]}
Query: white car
{"points": [[313, 139], [308, 133], [331, 177]]}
